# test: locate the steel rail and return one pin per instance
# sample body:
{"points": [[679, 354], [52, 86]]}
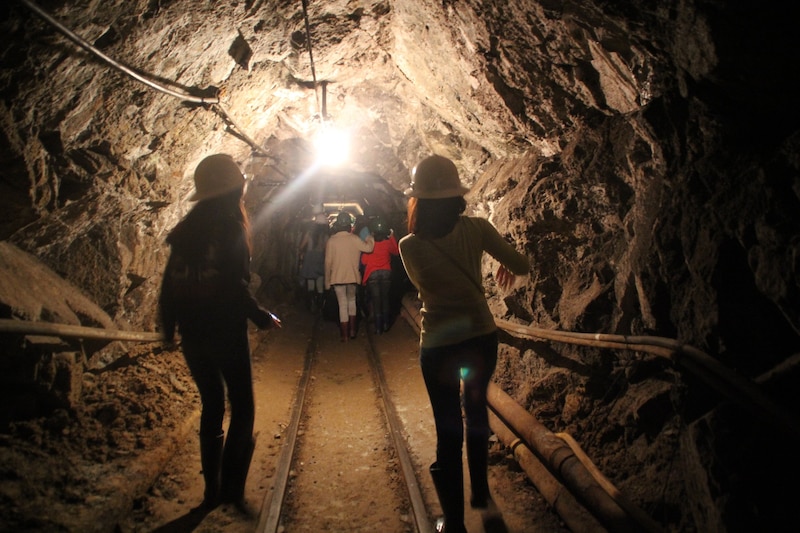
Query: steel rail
{"points": [[418, 508], [272, 505], [270, 515]]}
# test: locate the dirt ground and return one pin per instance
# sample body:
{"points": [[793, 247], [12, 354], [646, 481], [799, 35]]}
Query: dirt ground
{"points": [[100, 468]]}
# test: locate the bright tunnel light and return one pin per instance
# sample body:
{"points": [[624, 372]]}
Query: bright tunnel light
{"points": [[332, 146]]}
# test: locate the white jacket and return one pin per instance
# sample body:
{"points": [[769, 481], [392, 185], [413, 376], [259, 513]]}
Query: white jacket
{"points": [[343, 257]]}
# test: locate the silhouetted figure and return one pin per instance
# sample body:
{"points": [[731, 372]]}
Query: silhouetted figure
{"points": [[458, 340], [205, 294], [312, 263]]}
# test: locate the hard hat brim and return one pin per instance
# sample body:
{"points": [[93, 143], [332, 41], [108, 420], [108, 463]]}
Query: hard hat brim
{"points": [[436, 195], [198, 196]]}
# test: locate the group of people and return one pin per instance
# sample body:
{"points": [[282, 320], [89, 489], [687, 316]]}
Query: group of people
{"points": [[205, 295], [363, 258], [355, 262]]}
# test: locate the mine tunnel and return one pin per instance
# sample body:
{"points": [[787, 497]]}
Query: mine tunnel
{"points": [[644, 158]]}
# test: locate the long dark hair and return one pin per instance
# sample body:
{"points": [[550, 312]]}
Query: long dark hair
{"points": [[231, 206], [434, 218]]}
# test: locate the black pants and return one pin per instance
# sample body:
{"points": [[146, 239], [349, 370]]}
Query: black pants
{"points": [[379, 285], [219, 360], [443, 369]]}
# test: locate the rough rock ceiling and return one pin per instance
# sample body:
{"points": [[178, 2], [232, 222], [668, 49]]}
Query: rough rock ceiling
{"points": [[475, 81]]}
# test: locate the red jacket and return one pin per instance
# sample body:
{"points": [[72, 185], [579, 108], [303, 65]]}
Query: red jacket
{"points": [[380, 258]]}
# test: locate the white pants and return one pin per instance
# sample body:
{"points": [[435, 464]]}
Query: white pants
{"points": [[346, 296]]}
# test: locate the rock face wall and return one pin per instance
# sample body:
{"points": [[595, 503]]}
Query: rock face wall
{"points": [[645, 157]]}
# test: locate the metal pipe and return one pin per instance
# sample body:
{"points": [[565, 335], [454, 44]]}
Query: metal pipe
{"points": [[577, 518], [559, 452], [25, 327], [560, 460], [730, 384]]}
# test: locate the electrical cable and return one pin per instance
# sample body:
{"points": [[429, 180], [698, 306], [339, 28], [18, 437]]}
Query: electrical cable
{"points": [[236, 131], [310, 54], [130, 72], [214, 102]]}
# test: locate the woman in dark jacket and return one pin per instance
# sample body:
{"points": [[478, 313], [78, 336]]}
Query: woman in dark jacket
{"points": [[205, 293]]}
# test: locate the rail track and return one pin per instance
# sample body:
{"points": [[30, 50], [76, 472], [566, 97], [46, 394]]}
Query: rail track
{"points": [[313, 421], [344, 437], [332, 391]]}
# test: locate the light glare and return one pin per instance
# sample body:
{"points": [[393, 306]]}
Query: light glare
{"points": [[332, 147]]}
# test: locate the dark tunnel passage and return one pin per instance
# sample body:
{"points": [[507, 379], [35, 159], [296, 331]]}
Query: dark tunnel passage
{"points": [[283, 211]]}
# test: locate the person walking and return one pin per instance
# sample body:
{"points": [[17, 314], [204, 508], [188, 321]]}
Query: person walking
{"points": [[342, 260], [378, 273], [458, 341], [312, 263], [205, 295]]}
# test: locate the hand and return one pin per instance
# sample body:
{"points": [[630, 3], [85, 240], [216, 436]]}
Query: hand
{"points": [[276, 322], [504, 277], [168, 335], [266, 320], [169, 343]]}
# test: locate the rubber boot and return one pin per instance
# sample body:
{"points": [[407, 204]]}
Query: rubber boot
{"points": [[378, 323], [235, 464], [211, 462], [477, 461], [352, 327], [343, 330], [450, 489]]}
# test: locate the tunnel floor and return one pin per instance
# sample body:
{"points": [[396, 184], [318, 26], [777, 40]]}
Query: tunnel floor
{"points": [[128, 459]]}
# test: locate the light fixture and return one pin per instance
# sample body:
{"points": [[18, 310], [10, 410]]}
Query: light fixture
{"points": [[332, 146]]}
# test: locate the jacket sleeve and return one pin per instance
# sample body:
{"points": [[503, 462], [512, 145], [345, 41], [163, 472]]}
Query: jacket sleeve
{"points": [[241, 279], [367, 245], [496, 246]]}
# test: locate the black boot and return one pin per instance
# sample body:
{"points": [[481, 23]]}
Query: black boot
{"points": [[211, 462], [311, 302], [318, 300], [235, 464], [351, 325], [450, 489], [478, 460], [378, 323]]}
